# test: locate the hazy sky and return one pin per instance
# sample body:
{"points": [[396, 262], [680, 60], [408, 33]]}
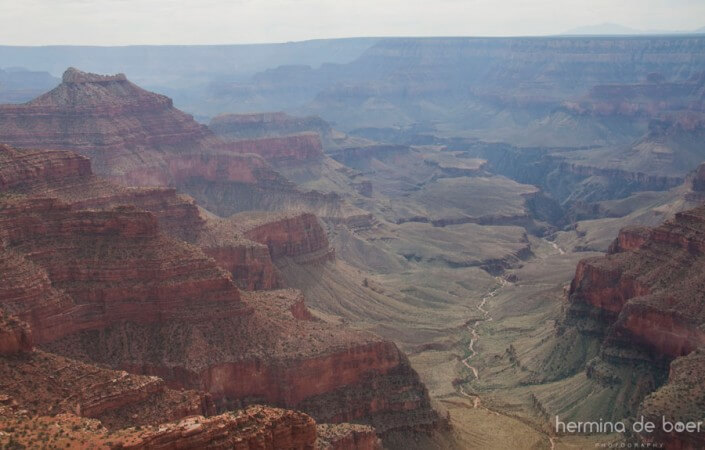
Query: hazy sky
{"points": [[121, 22]]}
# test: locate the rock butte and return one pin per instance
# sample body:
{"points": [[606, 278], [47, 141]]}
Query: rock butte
{"points": [[137, 138]]}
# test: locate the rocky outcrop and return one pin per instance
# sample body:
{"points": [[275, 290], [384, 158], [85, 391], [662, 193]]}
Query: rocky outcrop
{"points": [[276, 355], [44, 383], [68, 177], [642, 307], [15, 336], [646, 287], [94, 268], [249, 262], [27, 168], [629, 239], [258, 427], [347, 437], [680, 400], [254, 428], [285, 234], [252, 126]]}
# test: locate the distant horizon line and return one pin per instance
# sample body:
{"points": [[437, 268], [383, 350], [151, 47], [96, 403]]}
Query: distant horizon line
{"points": [[646, 35]]}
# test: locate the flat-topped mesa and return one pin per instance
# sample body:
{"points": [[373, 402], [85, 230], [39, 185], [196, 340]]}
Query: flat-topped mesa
{"points": [[73, 75], [645, 292], [269, 124]]}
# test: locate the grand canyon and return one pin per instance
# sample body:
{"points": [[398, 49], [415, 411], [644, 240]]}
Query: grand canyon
{"points": [[353, 244]]}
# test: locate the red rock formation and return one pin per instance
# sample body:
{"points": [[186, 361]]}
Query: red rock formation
{"points": [[23, 168], [44, 383], [107, 285], [285, 234], [649, 288], [49, 173], [630, 238], [347, 437], [256, 428], [15, 336], [117, 124], [334, 374], [249, 262], [115, 266], [138, 138], [211, 167]]}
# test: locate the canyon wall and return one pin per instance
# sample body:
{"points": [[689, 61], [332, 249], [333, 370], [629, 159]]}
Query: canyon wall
{"points": [[642, 303], [282, 151], [109, 285]]}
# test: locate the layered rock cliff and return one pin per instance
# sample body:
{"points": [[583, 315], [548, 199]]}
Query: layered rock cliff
{"points": [[275, 355], [108, 285], [282, 151], [15, 336], [298, 235], [646, 286], [679, 400], [117, 124], [260, 428], [644, 304], [42, 383]]}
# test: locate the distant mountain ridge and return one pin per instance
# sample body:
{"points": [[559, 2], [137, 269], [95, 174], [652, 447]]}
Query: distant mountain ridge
{"points": [[609, 29]]}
